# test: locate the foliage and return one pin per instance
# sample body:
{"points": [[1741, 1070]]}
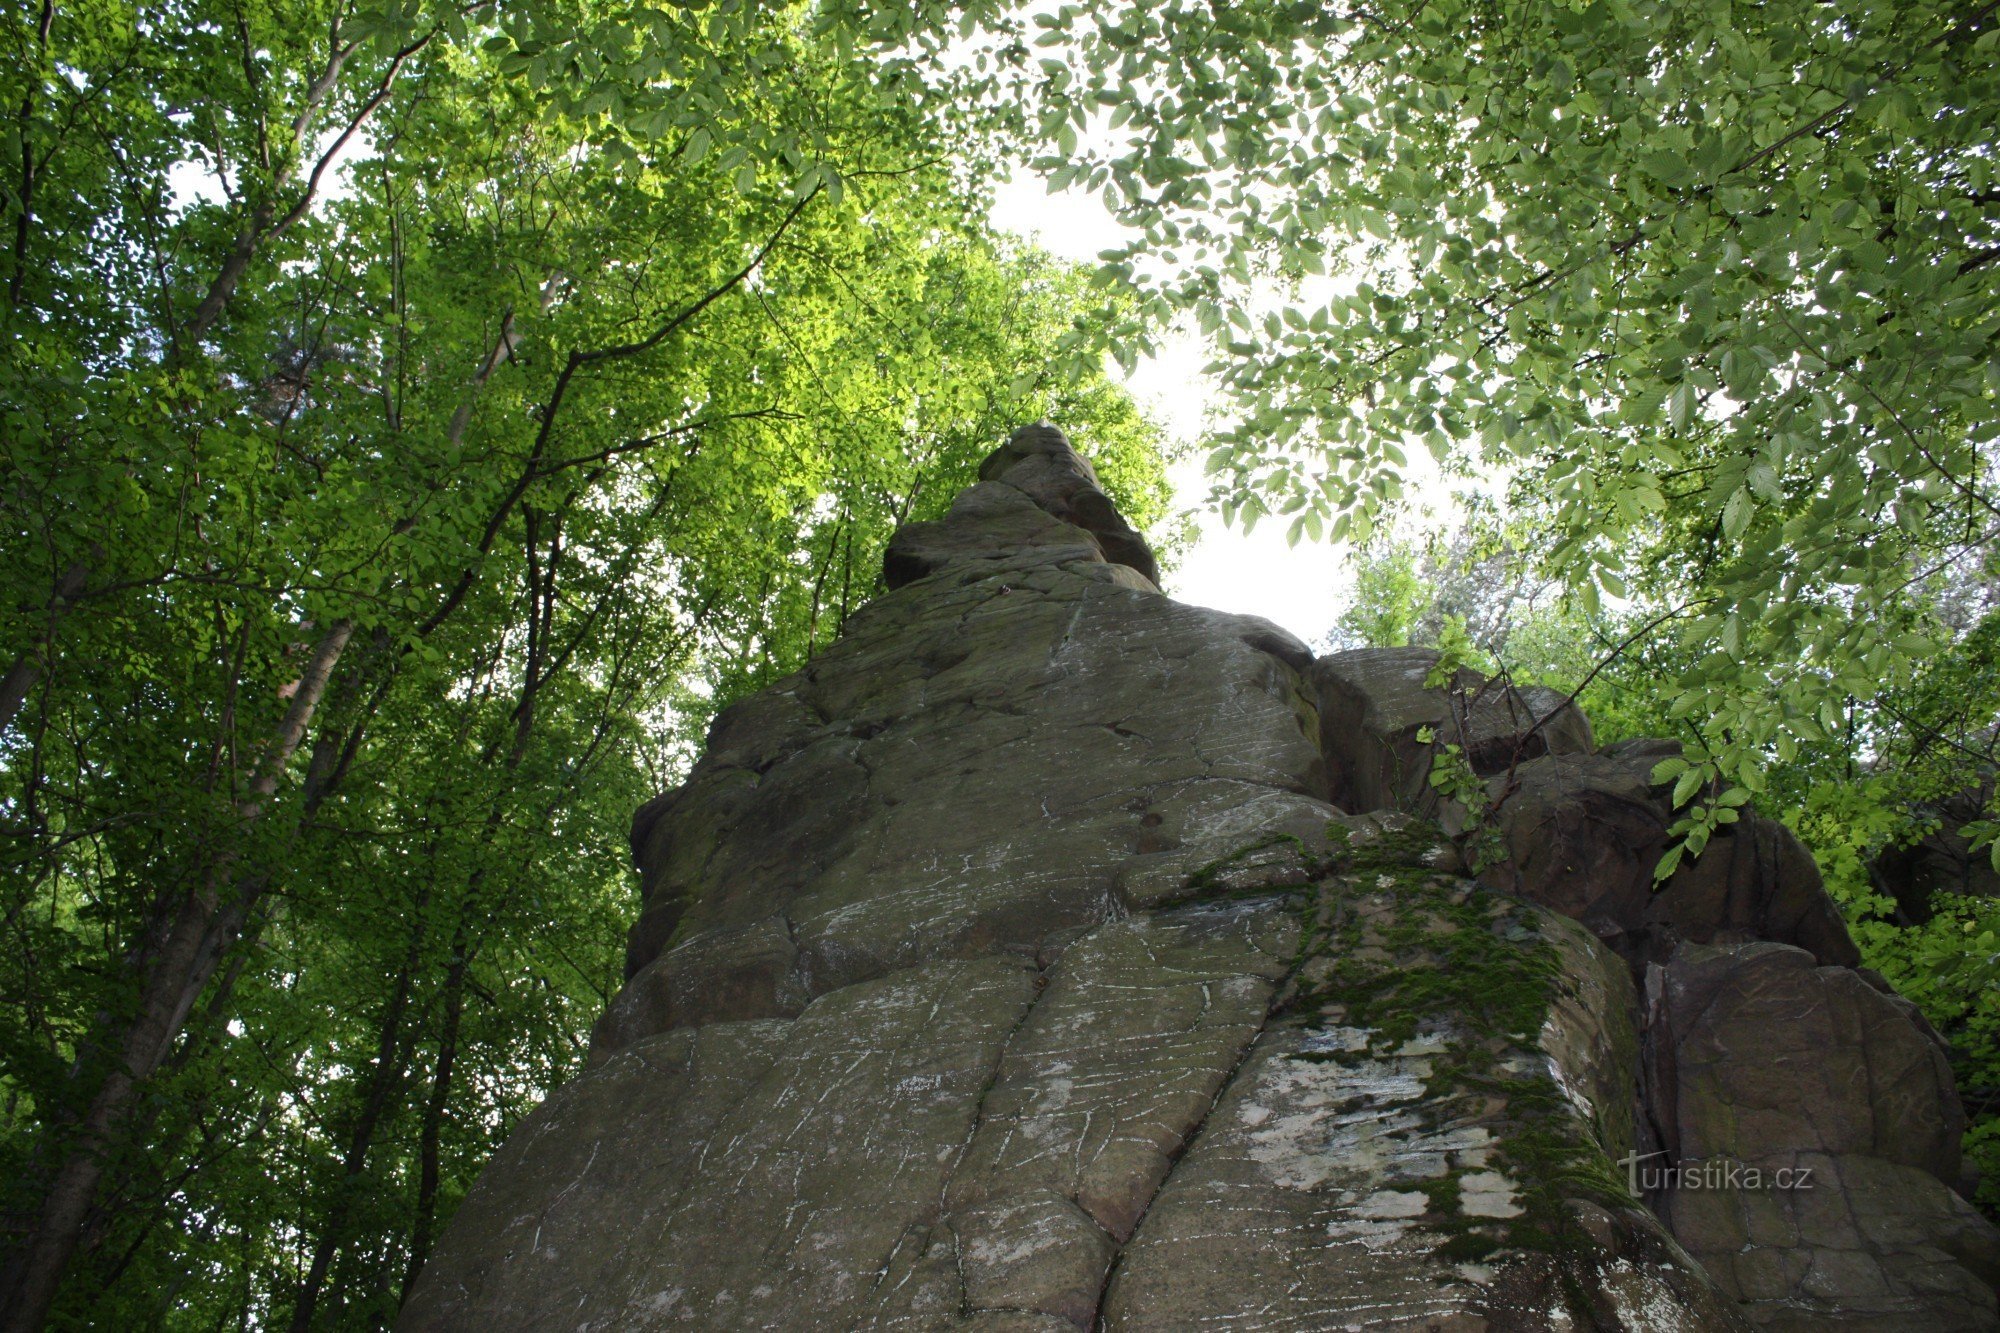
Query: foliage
{"points": [[416, 418], [412, 427], [1717, 282]]}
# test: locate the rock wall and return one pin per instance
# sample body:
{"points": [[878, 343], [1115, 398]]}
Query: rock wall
{"points": [[1051, 955]]}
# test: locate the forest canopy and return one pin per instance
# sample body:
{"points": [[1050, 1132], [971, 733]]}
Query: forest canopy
{"points": [[417, 418]]}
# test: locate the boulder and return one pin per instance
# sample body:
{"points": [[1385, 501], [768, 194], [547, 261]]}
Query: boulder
{"points": [[1943, 859], [1039, 462], [1014, 743], [1423, 1141], [1809, 1134], [1581, 833], [1389, 1099], [1374, 706], [989, 520], [1575, 829]]}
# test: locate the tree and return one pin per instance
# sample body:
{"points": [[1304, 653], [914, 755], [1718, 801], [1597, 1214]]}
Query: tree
{"points": [[398, 418], [415, 418]]}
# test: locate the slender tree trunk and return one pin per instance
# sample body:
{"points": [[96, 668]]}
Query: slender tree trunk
{"points": [[201, 931], [391, 1059], [264, 224], [24, 225], [234, 265], [819, 587], [27, 669], [422, 1232], [503, 347], [541, 590]]}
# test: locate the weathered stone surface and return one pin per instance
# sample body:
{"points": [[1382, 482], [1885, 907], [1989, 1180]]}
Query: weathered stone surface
{"points": [[1008, 968], [1591, 1036], [1768, 1048], [1870, 1247], [530, 1244], [1142, 1022], [1761, 1060], [1403, 1148], [989, 518], [748, 1175], [978, 760], [1583, 832], [1228, 837], [1373, 703], [1039, 462]]}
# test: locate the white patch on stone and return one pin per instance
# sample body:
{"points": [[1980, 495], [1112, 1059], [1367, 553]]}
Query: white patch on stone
{"points": [[988, 1250], [1552, 1041], [1336, 1040], [1327, 1119], [1291, 1143], [1385, 1204], [1645, 1303], [1487, 1194], [1373, 1234]]}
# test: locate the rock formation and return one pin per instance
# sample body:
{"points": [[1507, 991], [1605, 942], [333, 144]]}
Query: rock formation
{"points": [[1942, 860], [1050, 955]]}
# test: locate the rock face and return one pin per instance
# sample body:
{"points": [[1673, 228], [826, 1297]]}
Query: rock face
{"points": [[1050, 955], [1583, 832], [1375, 704], [1762, 1060]]}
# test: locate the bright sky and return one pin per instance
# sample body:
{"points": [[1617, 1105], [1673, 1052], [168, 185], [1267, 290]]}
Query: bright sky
{"points": [[1303, 588]]}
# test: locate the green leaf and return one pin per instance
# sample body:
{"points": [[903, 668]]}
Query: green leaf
{"points": [[1682, 401], [1736, 514]]}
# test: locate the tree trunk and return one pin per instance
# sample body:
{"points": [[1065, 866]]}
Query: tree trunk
{"points": [[27, 669], [201, 931], [234, 265], [391, 1057], [429, 1152]]}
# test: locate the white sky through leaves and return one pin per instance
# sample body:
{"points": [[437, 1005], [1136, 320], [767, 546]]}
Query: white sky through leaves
{"points": [[1303, 588]]}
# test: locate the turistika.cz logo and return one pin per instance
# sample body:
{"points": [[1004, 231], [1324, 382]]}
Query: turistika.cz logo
{"points": [[1713, 1174]]}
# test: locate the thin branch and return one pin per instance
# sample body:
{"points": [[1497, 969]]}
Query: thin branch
{"points": [[1616, 652]]}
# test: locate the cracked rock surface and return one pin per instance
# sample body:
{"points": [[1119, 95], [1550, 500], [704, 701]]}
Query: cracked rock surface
{"points": [[1049, 955]]}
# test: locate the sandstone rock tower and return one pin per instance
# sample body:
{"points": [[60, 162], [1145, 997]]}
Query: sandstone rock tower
{"points": [[1048, 955]]}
